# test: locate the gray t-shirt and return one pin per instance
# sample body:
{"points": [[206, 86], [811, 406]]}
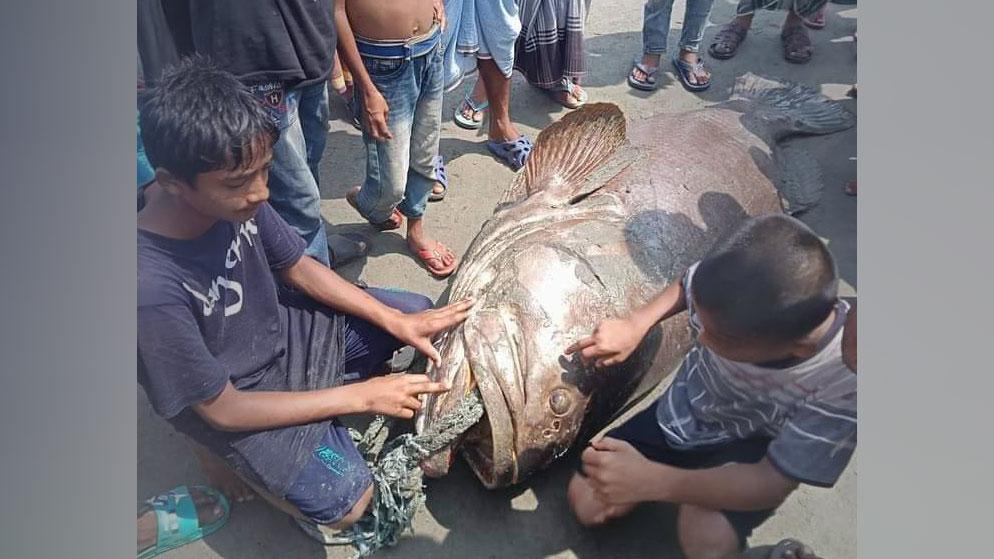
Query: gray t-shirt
{"points": [[808, 409]]}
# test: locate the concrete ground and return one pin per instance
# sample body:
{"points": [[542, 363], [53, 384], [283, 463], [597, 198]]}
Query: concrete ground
{"points": [[461, 518]]}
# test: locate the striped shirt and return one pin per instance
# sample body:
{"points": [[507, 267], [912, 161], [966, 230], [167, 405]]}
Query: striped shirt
{"points": [[808, 409]]}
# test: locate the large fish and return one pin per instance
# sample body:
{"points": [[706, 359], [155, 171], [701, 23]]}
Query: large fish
{"points": [[599, 222]]}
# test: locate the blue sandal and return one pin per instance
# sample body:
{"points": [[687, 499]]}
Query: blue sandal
{"points": [[649, 83], [442, 177], [685, 69], [514, 152], [176, 518]]}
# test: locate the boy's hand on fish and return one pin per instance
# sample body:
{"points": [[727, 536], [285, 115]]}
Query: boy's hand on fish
{"points": [[418, 329], [612, 342], [395, 394], [375, 115], [619, 474]]}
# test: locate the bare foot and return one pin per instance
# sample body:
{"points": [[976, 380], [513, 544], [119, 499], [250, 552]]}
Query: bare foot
{"points": [[439, 260], [208, 511], [223, 478], [699, 76], [649, 61], [438, 188]]}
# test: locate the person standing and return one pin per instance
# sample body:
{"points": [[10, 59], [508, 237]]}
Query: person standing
{"points": [[655, 28], [549, 50]]}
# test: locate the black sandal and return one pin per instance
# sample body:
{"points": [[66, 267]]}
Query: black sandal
{"points": [[730, 36]]}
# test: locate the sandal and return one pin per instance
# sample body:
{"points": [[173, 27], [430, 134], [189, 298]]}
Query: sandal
{"points": [[817, 21], [431, 258], [346, 248], [177, 521], [442, 177], [728, 39], [513, 152], [686, 69], [467, 103], [395, 220], [649, 83], [796, 44], [575, 97]]}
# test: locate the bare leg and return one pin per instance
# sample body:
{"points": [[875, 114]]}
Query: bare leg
{"points": [[588, 509], [706, 534], [498, 90]]}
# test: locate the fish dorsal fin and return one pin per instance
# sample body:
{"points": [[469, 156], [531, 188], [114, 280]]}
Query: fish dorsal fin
{"points": [[569, 150]]}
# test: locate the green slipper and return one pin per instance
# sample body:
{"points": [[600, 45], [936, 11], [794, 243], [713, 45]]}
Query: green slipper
{"points": [[176, 517]]}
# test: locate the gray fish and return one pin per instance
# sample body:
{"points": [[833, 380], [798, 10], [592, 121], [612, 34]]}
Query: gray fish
{"points": [[601, 220]]}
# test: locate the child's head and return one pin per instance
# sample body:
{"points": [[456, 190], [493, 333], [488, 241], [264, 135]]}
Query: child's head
{"points": [[209, 140], [762, 292]]}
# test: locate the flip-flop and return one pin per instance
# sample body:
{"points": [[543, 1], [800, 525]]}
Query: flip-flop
{"points": [[442, 177], [346, 248], [730, 35], [570, 89], [470, 123], [817, 21], [795, 40], [395, 220], [514, 152], [686, 69], [649, 83], [177, 521], [429, 255]]}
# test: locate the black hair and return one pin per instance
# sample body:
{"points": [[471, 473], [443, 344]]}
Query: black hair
{"points": [[199, 118], [772, 279]]}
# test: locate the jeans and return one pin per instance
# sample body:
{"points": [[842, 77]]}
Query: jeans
{"points": [[400, 173], [301, 114], [656, 25]]}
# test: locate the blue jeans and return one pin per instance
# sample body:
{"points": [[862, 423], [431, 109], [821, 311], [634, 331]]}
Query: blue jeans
{"points": [[301, 114], [656, 25], [336, 475], [400, 173]]}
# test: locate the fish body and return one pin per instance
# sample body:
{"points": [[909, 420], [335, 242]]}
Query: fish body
{"points": [[600, 221]]}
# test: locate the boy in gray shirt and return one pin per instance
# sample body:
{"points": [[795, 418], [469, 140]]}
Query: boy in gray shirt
{"points": [[762, 402]]}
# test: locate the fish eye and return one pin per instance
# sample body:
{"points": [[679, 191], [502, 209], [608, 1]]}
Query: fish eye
{"points": [[560, 401]]}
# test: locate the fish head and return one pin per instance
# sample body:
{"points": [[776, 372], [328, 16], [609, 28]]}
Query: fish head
{"points": [[511, 348]]}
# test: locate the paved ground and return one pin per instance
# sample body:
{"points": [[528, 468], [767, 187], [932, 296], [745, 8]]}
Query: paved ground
{"points": [[461, 518]]}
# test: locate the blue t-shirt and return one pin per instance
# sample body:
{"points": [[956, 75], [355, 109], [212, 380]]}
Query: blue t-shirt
{"points": [[210, 310]]}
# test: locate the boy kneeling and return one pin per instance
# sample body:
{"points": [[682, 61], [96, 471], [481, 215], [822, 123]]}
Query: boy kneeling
{"points": [[761, 403], [249, 370]]}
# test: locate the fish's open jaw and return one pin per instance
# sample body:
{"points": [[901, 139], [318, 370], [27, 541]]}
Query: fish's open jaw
{"points": [[489, 445]]}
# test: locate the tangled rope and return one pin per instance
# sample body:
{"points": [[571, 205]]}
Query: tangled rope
{"points": [[397, 475]]}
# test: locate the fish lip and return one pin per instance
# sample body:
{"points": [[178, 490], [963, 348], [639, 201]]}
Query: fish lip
{"points": [[499, 468]]}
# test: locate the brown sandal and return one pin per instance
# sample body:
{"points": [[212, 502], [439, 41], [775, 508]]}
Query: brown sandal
{"points": [[729, 39], [796, 44]]}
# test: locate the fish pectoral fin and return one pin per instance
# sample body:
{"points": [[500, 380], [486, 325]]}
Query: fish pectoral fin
{"points": [[800, 183], [568, 151]]}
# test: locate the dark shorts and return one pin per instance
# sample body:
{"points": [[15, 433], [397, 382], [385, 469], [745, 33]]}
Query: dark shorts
{"points": [[643, 432], [336, 475]]}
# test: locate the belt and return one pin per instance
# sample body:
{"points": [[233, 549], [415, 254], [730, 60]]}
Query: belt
{"points": [[394, 50]]}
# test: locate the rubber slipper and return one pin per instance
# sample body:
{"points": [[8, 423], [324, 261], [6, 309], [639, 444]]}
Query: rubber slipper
{"points": [[730, 35], [570, 89], [649, 83], [817, 21], [795, 40], [470, 123], [346, 248], [395, 220], [429, 255], [686, 69], [514, 152], [442, 176], [177, 521]]}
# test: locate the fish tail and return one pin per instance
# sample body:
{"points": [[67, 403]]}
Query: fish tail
{"points": [[803, 108], [567, 151]]}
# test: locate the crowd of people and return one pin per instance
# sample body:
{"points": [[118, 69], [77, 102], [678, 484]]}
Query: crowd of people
{"points": [[252, 346]]}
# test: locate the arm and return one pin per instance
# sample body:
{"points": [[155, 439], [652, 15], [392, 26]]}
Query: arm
{"points": [[375, 106], [325, 286], [614, 340], [238, 410], [620, 475]]}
